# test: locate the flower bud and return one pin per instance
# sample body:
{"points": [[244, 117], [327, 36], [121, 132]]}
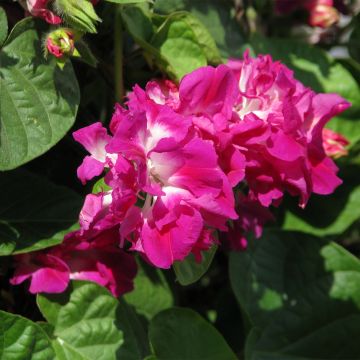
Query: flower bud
{"points": [[323, 14], [334, 144], [60, 43], [80, 14]]}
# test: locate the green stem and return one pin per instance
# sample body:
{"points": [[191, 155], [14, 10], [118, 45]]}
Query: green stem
{"points": [[118, 58]]}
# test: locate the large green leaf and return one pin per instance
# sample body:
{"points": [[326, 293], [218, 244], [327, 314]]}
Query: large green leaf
{"points": [[3, 26], [316, 69], [89, 323], [34, 213], [38, 101], [302, 296], [216, 16], [125, 2], [178, 43], [189, 270], [151, 292], [331, 214], [183, 334], [21, 339]]}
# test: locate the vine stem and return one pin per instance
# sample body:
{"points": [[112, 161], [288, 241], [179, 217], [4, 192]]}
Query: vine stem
{"points": [[118, 56]]}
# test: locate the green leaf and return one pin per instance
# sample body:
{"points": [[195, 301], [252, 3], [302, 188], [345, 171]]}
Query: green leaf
{"points": [[34, 213], [177, 43], [151, 292], [218, 18], [86, 54], [326, 215], [21, 339], [302, 295], [100, 186], [38, 101], [316, 69], [189, 271], [3, 26], [183, 334], [124, 2], [89, 323], [353, 45], [178, 46]]}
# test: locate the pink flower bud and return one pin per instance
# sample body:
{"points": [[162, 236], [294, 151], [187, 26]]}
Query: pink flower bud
{"points": [[334, 144], [60, 43], [323, 16]]}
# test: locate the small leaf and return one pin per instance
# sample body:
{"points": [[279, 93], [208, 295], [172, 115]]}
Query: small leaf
{"points": [[20, 339], [3, 26], [189, 271], [89, 323], [34, 213], [151, 292], [183, 334], [38, 101], [85, 53], [100, 186]]}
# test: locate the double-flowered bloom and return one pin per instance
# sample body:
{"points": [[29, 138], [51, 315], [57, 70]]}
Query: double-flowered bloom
{"points": [[181, 163]]}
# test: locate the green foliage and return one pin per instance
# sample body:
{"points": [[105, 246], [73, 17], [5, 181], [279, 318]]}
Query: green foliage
{"points": [[38, 101], [218, 18], [23, 339], [3, 26], [183, 334], [189, 271], [151, 292], [178, 45], [124, 2], [34, 213], [302, 297], [89, 323]]}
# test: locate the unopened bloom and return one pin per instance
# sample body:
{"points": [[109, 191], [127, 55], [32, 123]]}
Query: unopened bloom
{"points": [[334, 144], [61, 43], [322, 13]]}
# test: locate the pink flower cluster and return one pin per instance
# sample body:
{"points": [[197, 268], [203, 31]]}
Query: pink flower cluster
{"points": [[182, 163]]}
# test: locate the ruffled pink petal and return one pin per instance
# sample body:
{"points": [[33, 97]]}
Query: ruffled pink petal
{"points": [[94, 138], [89, 168]]}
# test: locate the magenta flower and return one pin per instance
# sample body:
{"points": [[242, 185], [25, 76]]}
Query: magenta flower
{"points": [[39, 8], [279, 131], [95, 258], [183, 189]]}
